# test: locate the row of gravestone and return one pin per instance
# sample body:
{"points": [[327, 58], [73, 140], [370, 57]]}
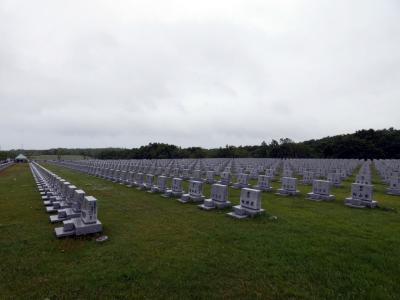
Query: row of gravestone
{"points": [[123, 171], [250, 199], [389, 171], [321, 167], [253, 167], [320, 191], [5, 165], [71, 206], [333, 170], [117, 170], [198, 168], [362, 189], [174, 168]]}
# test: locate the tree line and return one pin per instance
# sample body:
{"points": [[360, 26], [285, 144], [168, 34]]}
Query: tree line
{"points": [[365, 144]]}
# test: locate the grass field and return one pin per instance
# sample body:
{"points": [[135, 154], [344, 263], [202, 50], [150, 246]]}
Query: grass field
{"points": [[54, 157], [162, 249]]}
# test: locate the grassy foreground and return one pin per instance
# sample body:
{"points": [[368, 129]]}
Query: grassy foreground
{"points": [[159, 248]]}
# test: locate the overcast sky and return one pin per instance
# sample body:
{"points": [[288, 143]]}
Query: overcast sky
{"points": [[195, 73]]}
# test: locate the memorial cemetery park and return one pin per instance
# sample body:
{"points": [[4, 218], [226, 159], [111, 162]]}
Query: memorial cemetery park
{"points": [[204, 228], [183, 149]]}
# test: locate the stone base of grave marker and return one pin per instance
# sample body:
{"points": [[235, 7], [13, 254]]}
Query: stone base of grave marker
{"points": [[64, 214], [140, 187], [263, 189], [196, 179], [157, 189], [77, 227], [130, 184], [64, 204], [186, 198], [239, 186], [51, 200], [357, 203], [52, 208], [172, 194], [210, 204], [224, 182], [147, 187], [71, 213], [394, 192], [319, 197], [240, 213], [283, 192], [60, 216], [50, 194]]}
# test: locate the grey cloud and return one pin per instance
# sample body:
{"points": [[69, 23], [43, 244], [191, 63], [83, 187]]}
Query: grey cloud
{"points": [[96, 73]]}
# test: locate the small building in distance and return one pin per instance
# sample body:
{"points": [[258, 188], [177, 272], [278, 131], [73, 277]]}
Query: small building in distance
{"points": [[21, 158]]}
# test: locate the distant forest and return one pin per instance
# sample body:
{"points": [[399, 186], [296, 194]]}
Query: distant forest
{"points": [[361, 144]]}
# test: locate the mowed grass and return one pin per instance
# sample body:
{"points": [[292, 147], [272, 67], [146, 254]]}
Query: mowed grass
{"points": [[54, 157], [162, 249]]}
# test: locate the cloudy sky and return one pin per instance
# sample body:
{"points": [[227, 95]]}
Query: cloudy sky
{"points": [[195, 73]]}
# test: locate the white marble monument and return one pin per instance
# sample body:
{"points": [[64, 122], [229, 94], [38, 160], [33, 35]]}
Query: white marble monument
{"points": [[219, 198], [321, 190], [195, 193], [361, 196], [263, 183], [289, 187], [250, 204]]}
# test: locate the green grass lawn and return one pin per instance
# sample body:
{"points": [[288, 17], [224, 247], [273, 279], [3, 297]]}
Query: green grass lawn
{"points": [[160, 248], [54, 157]]}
